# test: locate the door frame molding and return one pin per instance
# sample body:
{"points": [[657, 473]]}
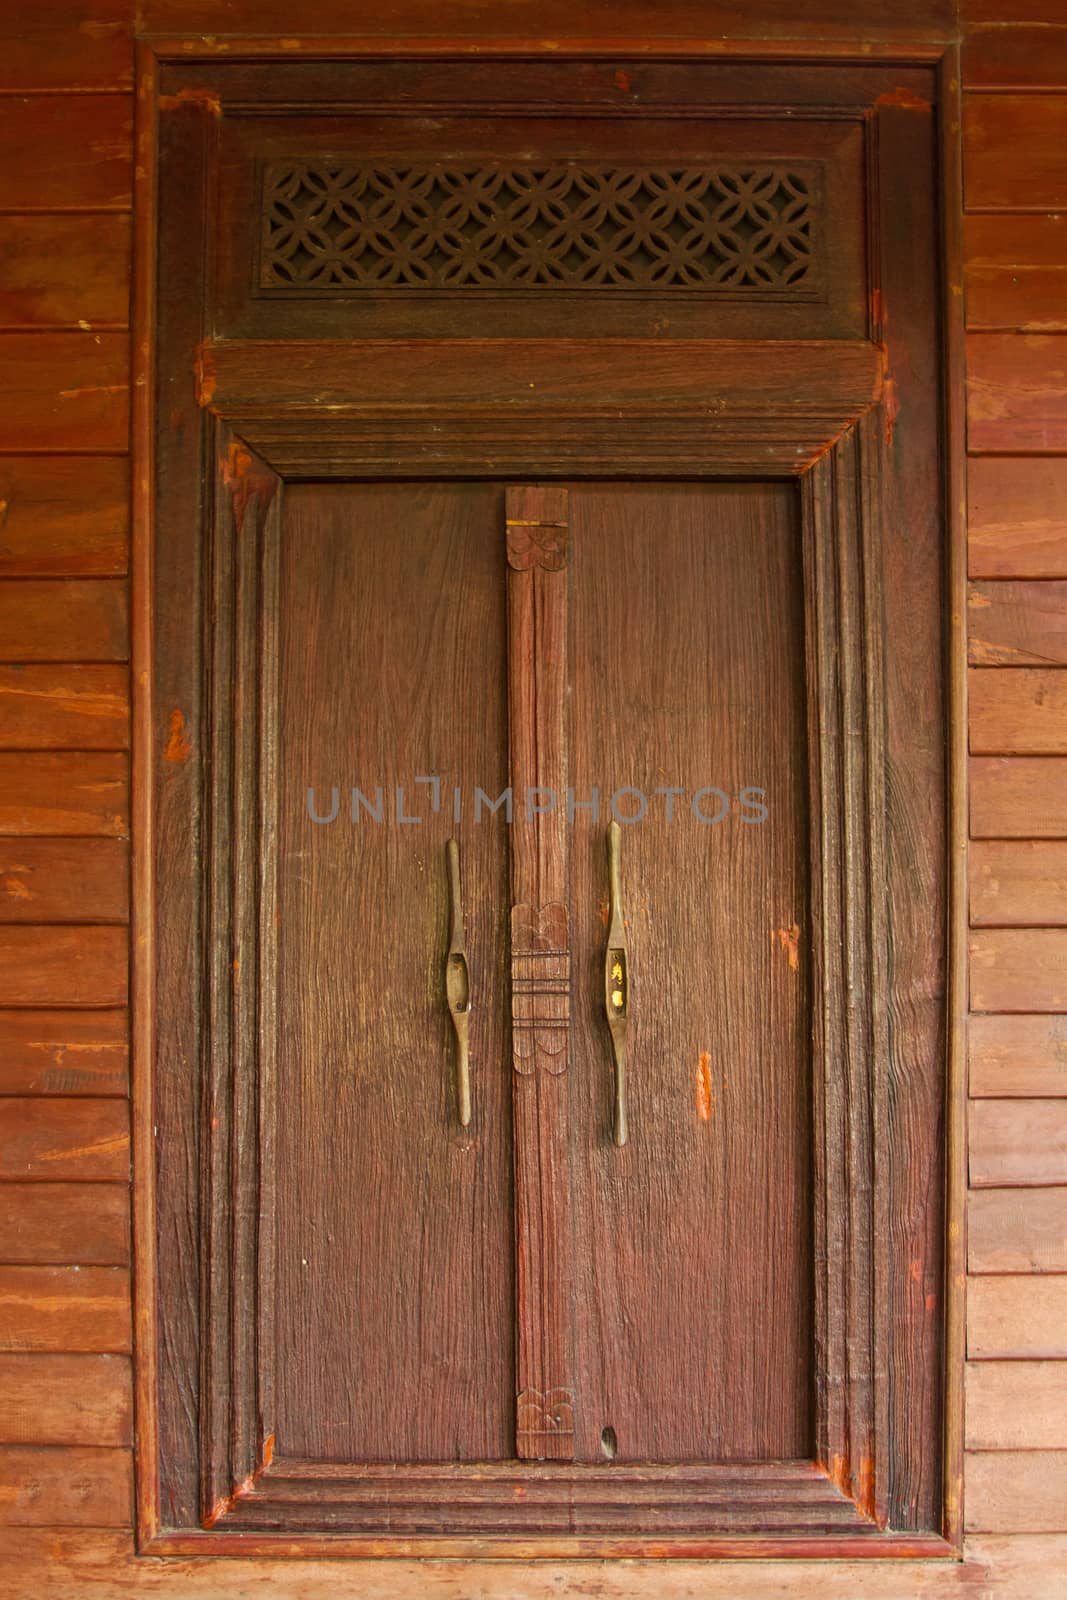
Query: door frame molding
{"points": [[705, 433]]}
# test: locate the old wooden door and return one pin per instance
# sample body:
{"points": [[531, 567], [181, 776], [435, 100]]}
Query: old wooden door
{"points": [[550, 917]]}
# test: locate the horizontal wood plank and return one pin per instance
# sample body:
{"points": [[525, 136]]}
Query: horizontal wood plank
{"points": [[1017, 1056], [1018, 797], [1024, 1491], [63, 516], [82, 794], [1017, 1142], [64, 1139], [1015, 969], [65, 271], [65, 1224], [76, 1486], [1016, 299], [1022, 712], [65, 1309], [1016, 1405], [1017, 1230], [1017, 624], [64, 708], [63, 619], [1017, 391], [64, 391], [1030, 55], [66, 44], [64, 1052], [1013, 883], [66, 1400], [997, 128], [55, 966], [62, 151], [1017, 515], [1027, 239], [64, 880], [1012, 1318]]}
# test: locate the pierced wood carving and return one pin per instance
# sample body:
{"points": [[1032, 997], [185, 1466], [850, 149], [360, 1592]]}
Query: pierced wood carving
{"points": [[344, 226]]}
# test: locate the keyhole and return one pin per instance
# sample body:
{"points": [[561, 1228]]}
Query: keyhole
{"points": [[609, 1444]]}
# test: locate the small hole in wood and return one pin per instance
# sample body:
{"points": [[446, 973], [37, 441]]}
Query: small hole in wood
{"points": [[609, 1444]]}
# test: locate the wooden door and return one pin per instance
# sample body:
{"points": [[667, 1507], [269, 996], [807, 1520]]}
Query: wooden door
{"points": [[550, 921]]}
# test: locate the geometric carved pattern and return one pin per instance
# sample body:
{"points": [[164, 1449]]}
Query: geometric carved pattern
{"points": [[551, 1412], [342, 226], [540, 989]]}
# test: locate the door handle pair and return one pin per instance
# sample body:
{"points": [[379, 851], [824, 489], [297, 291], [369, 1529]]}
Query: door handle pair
{"points": [[616, 984]]}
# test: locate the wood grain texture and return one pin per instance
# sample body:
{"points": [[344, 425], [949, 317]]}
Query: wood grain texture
{"points": [[1023, 712], [66, 44], [1017, 515], [1018, 970], [64, 1052], [1017, 624], [65, 1309], [1017, 1230], [1024, 1491], [75, 1486], [64, 707], [64, 391], [56, 966], [1012, 1318], [60, 151], [1018, 797], [1030, 55], [65, 1224], [64, 1139], [1016, 1405], [1018, 1142], [66, 1400], [1017, 883], [1017, 392], [996, 127], [64, 880], [75, 794], [65, 271], [63, 619], [63, 515], [1016, 1056], [1016, 299]]}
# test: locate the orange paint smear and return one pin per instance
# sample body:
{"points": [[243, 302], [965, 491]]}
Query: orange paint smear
{"points": [[890, 407], [196, 97], [865, 1494], [789, 939], [207, 380], [177, 747], [905, 98], [705, 1092]]}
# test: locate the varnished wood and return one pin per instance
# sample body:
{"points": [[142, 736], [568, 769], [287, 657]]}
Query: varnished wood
{"points": [[1022, 712], [65, 1224], [1018, 797], [1017, 527], [1018, 883], [1030, 55], [63, 708], [1014, 969], [1016, 393], [63, 515], [1014, 1318], [66, 1400], [1017, 624], [67, 44], [1018, 1056], [61, 272], [61, 151], [72, 1486], [64, 1138], [65, 1309], [64, 880], [63, 620], [67, 391], [1015, 1405], [62, 966], [995, 127], [73, 793], [1017, 1230], [1018, 1142]]}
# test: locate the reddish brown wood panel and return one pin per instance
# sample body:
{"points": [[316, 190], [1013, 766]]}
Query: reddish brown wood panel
{"points": [[1017, 1056], [1022, 712], [1017, 624], [75, 966], [65, 1309], [1017, 1230], [81, 794], [79, 1486], [63, 515], [65, 271], [997, 129], [1016, 1405], [63, 619], [64, 880], [65, 391], [60, 151], [63, 44], [1018, 1142], [1022, 299], [1023, 240], [60, 1138], [63, 707], [1019, 970], [66, 1400], [1017, 391], [65, 1224], [1018, 797], [1024, 1491], [1030, 55], [64, 1052], [1017, 515], [1013, 1318], [1019, 883]]}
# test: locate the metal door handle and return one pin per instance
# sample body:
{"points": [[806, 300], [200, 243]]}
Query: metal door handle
{"points": [[617, 984], [457, 986]]}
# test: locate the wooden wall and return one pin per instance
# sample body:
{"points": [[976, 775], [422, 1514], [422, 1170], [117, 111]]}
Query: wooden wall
{"points": [[65, 1318]]}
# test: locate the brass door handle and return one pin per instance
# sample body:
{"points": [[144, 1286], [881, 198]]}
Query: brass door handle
{"points": [[457, 986], [617, 984]]}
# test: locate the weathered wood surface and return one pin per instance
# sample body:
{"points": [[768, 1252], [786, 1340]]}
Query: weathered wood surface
{"points": [[1017, 624], [65, 1224], [72, 793], [1011, 1319], [64, 619], [74, 1486], [1016, 969], [1017, 512], [64, 391], [1017, 1230], [1031, 55], [996, 129], [1018, 1056], [64, 880], [60, 151], [65, 1309], [1017, 391], [1022, 712], [1018, 797], [64, 1052], [1018, 1142], [1016, 1405], [63, 708], [1016, 883], [66, 1400], [63, 966], [1025, 1491], [62, 44], [63, 515], [65, 271], [49, 1138]]}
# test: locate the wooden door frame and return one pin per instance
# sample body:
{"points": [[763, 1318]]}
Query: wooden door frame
{"points": [[756, 433]]}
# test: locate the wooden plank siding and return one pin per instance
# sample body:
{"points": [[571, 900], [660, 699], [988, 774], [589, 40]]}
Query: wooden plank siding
{"points": [[65, 1316]]}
